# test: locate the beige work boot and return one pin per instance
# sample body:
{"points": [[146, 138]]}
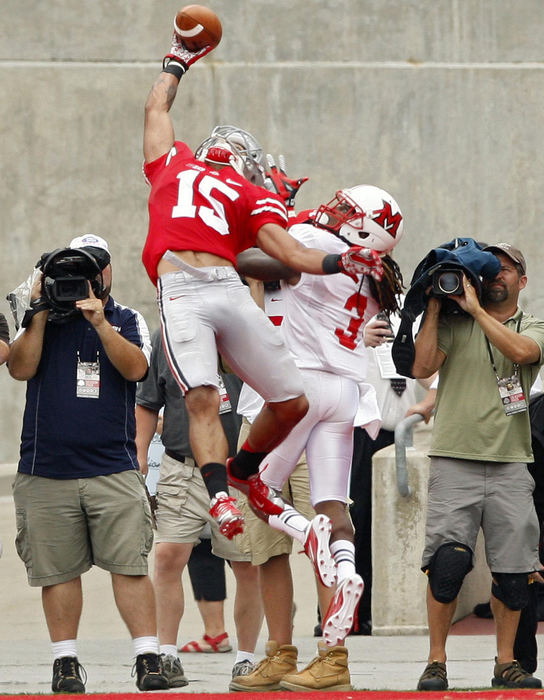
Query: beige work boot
{"points": [[279, 661], [328, 671]]}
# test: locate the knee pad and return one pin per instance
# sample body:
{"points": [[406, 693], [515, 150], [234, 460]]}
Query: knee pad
{"points": [[447, 570], [511, 589]]}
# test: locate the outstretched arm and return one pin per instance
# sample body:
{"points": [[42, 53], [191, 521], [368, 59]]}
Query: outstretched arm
{"points": [[255, 263], [275, 241], [158, 128]]}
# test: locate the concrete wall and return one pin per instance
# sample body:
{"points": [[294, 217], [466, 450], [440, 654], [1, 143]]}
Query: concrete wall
{"points": [[438, 101]]}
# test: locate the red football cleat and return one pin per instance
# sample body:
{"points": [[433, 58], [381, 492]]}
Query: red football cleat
{"points": [[240, 484], [224, 511], [262, 497]]}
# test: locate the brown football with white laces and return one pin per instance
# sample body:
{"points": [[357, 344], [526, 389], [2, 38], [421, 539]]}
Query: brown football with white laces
{"points": [[198, 27]]}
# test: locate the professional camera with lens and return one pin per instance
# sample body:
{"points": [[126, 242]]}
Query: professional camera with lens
{"points": [[66, 276], [447, 281]]}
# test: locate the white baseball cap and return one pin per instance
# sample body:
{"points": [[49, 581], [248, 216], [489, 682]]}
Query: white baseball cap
{"points": [[89, 240]]}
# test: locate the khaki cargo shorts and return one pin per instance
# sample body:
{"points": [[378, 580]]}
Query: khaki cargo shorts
{"points": [[183, 506], [64, 526]]}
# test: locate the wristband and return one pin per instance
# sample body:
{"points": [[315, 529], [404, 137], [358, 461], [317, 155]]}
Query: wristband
{"points": [[331, 263], [173, 66]]}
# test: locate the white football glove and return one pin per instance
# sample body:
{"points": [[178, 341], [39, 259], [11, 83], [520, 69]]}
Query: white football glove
{"points": [[361, 261]]}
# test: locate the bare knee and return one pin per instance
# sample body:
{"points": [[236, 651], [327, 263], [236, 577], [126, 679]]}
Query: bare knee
{"points": [[171, 559], [202, 400], [245, 573]]}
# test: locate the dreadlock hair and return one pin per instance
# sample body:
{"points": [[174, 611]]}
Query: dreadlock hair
{"points": [[387, 291]]}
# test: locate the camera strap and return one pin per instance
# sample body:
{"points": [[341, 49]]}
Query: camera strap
{"points": [[510, 389], [36, 307]]}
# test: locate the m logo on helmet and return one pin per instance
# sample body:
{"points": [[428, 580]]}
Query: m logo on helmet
{"points": [[387, 220]]}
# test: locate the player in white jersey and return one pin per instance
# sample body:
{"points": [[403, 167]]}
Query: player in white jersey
{"points": [[323, 322], [323, 329]]}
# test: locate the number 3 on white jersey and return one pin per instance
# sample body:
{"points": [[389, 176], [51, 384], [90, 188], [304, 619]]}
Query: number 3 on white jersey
{"points": [[213, 216]]}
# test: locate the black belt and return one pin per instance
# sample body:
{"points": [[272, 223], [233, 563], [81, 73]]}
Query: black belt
{"points": [[180, 458]]}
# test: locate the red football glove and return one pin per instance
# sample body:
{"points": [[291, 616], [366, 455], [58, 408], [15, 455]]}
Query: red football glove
{"points": [[361, 261], [277, 181], [181, 54]]}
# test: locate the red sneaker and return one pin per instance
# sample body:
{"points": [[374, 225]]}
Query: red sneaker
{"points": [[240, 484], [342, 610], [262, 497], [317, 549], [224, 511]]}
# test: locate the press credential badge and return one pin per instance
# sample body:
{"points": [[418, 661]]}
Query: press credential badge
{"points": [[512, 396], [88, 379]]}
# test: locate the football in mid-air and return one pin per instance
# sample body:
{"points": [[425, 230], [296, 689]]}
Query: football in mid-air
{"points": [[198, 27]]}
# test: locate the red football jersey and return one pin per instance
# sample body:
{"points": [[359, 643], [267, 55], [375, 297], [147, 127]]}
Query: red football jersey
{"points": [[194, 207]]}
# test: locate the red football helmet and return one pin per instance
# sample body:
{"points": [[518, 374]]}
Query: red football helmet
{"points": [[363, 215]]}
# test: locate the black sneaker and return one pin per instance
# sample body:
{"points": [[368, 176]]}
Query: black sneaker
{"points": [[149, 672], [67, 675], [512, 675], [434, 677]]}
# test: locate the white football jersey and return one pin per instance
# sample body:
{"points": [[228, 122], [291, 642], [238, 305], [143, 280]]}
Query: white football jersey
{"points": [[324, 315]]}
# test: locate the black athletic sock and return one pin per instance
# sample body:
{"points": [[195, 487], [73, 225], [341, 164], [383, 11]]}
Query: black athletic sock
{"points": [[215, 478], [246, 463]]}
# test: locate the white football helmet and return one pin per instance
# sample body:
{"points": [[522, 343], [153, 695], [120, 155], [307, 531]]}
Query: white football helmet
{"points": [[364, 215], [237, 148]]}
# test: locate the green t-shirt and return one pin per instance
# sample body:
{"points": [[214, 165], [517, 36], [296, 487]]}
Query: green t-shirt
{"points": [[470, 422]]}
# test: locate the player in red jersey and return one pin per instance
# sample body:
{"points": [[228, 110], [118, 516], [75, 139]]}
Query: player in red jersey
{"points": [[204, 209]]}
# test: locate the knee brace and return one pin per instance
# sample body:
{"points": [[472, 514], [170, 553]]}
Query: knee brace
{"points": [[511, 589], [447, 569]]}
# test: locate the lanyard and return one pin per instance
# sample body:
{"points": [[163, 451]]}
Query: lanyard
{"points": [[516, 366]]}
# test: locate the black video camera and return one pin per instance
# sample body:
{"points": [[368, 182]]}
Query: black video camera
{"points": [[447, 281], [66, 276]]}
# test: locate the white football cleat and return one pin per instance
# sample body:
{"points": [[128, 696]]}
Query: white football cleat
{"points": [[317, 549], [342, 610]]}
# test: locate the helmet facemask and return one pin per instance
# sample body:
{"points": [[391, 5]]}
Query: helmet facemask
{"points": [[364, 215], [240, 150]]}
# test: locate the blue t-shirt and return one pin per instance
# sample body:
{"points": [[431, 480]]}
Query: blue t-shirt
{"points": [[69, 437]]}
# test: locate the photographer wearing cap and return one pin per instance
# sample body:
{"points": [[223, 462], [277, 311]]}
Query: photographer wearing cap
{"points": [[79, 495], [488, 358]]}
